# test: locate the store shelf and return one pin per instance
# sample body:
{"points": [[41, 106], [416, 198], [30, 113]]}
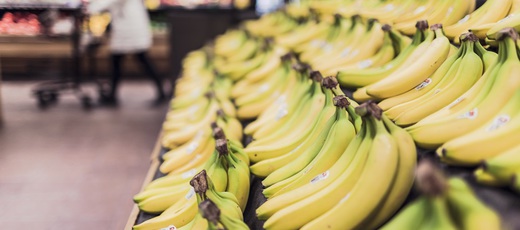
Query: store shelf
{"points": [[16, 6]]}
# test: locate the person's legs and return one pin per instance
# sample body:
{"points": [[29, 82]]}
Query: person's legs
{"points": [[150, 70], [117, 60]]}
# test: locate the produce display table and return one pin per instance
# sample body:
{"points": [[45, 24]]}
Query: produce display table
{"points": [[503, 200]]}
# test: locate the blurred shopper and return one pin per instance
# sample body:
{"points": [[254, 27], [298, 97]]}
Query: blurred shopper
{"points": [[130, 34]]}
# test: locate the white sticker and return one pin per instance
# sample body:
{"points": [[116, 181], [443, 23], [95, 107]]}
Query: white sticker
{"points": [[316, 43], [281, 99], [498, 122], [190, 194], [320, 177], [263, 88], [171, 227], [345, 52], [472, 114], [448, 12], [424, 84], [282, 112], [365, 64], [464, 19], [419, 10], [356, 52], [508, 16], [189, 174], [454, 103], [193, 145], [389, 7], [389, 66], [328, 48], [194, 108]]}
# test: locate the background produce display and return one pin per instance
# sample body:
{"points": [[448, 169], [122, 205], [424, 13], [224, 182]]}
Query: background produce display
{"points": [[441, 75]]}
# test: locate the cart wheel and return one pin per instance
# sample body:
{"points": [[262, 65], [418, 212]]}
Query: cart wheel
{"points": [[86, 102], [43, 103], [53, 97]]}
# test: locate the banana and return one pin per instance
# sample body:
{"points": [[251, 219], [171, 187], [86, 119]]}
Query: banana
{"points": [[410, 76], [488, 179], [403, 180], [469, 71], [365, 196], [238, 178], [364, 77], [503, 166], [303, 34], [472, 148], [339, 137], [384, 55], [229, 42], [284, 145], [411, 216], [178, 215], [421, 89], [349, 165], [491, 11], [482, 108], [439, 217], [516, 182], [435, 14], [467, 210], [364, 47]]}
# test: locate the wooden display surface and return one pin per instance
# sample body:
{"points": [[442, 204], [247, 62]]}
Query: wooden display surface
{"points": [[154, 166]]}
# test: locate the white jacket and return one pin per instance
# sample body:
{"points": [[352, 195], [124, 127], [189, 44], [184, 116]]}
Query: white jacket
{"points": [[130, 24]]}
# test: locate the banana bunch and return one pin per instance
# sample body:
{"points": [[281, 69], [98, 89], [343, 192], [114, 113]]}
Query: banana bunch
{"points": [[187, 128], [476, 107], [501, 170], [245, 58], [271, 25], [214, 207], [393, 44], [380, 150], [361, 42], [264, 86], [361, 77], [312, 31], [319, 151], [217, 219], [423, 61], [444, 204], [445, 12], [491, 12], [173, 196], [281, 139], [489, 30], [454, 77]]}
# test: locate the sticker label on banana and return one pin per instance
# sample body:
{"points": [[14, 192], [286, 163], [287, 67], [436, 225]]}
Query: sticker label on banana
{"points": [[365, 64], [345, 52], [424, 84], [464, 19], [320, 177], [189, 174], [498, 122], [472, 114], [419, 10], [171, 227], [193, 145], [190, 193], [454, 103]]}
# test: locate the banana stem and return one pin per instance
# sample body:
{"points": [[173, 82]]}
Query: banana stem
{"points": [[430, 180]]}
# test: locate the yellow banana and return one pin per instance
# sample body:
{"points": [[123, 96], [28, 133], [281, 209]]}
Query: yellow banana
{"points": [[365, 196], [409, 77], [467, 210]]}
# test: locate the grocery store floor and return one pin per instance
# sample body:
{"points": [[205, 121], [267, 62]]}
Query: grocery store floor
{"points": [[65, 168]]}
